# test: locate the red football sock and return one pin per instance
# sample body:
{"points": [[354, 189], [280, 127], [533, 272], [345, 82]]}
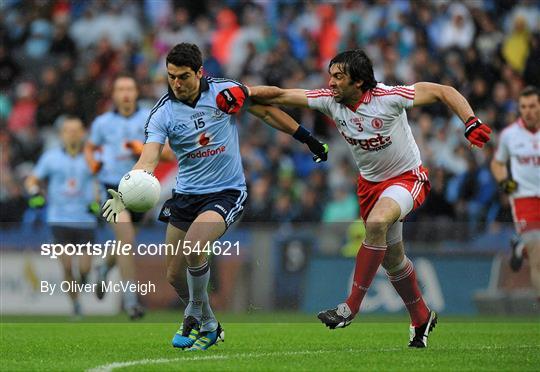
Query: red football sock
{"points": [[368, 260], [404, 281]]}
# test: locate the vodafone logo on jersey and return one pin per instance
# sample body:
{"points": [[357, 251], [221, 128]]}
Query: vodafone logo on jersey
{"points": [[206, 153], [204, 140], [370, 144]]}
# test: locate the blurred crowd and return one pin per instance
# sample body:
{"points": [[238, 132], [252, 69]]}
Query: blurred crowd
{"points": [[59, 57]]}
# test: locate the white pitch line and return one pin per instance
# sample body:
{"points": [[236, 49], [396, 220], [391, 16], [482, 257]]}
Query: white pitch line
{"points": [[112, 366], [116, 365]]}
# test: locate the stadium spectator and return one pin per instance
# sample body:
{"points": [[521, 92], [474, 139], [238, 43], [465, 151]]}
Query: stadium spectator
{"points": [[62, 43], [9, 68], [342, 207], [224, 36], [516, 45], [39, 41], [458, 31]]}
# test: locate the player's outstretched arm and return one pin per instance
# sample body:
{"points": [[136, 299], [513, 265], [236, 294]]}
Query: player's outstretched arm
{"points": [[277, 96], [231, 100], [274, 117], [475, 131], [280, 120]]}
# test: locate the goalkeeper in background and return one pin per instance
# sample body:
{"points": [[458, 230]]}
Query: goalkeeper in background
{"points": [[117, 138], [70, 200], [519, 144]]}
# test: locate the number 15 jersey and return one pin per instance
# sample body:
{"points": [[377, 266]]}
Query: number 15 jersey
{"points": [[204, 139], [376, 129]]}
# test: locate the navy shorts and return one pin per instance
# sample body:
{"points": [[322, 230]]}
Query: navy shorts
{"points": [[72, 235], [135, 216], [182, 209]]}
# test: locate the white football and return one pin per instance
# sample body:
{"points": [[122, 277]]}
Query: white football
{"points": [[139, 190]]}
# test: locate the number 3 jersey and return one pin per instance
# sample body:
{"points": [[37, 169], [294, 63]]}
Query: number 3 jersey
{"points": [[204, 139], [376, 129]]}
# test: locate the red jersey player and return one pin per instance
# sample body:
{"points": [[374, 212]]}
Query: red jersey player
{"points": [[519, 143], [371, 117]]}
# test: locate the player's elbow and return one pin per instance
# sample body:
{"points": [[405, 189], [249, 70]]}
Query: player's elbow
{"points": [[445, 92]]}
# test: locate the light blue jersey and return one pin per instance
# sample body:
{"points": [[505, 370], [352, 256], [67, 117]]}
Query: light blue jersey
{"points": [[204, 139], [112, 131], [70, 188]]}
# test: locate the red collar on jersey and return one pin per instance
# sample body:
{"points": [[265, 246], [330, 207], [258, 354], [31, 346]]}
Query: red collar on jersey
{"points": [[522, 124], [365, 98]]}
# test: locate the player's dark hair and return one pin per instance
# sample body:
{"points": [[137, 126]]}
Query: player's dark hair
{"points": [[357, 65], [185, 54], [530, 90]]}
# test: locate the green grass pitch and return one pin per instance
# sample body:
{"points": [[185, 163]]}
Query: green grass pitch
{"points": [[268, 342]]}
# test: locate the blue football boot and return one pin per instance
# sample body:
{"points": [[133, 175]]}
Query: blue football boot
{"points": [[208, 339], [187, 334]]}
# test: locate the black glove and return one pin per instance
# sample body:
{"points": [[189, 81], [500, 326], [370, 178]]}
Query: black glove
{"points": [[319, 149], [508, 186]]}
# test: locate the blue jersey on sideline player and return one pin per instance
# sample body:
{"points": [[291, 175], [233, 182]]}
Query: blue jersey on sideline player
{"points": [[113, 131], [70, 188]]}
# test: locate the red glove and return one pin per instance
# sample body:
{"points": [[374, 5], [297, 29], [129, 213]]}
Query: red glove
{"points": [[232, 99], [476, 132]]}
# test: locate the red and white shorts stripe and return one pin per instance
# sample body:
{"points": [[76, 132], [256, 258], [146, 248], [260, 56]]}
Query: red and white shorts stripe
{"points": [[415, 181]]}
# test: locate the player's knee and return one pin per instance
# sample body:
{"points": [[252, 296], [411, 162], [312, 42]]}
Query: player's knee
{"points": [[377, 225], [196, 259]]}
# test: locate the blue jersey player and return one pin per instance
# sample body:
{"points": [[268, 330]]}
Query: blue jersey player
{"points": [[113, 147], [70, 198], [210, 190]]}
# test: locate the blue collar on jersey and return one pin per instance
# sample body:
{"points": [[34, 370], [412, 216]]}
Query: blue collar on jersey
{"points": [[203, 87]]}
